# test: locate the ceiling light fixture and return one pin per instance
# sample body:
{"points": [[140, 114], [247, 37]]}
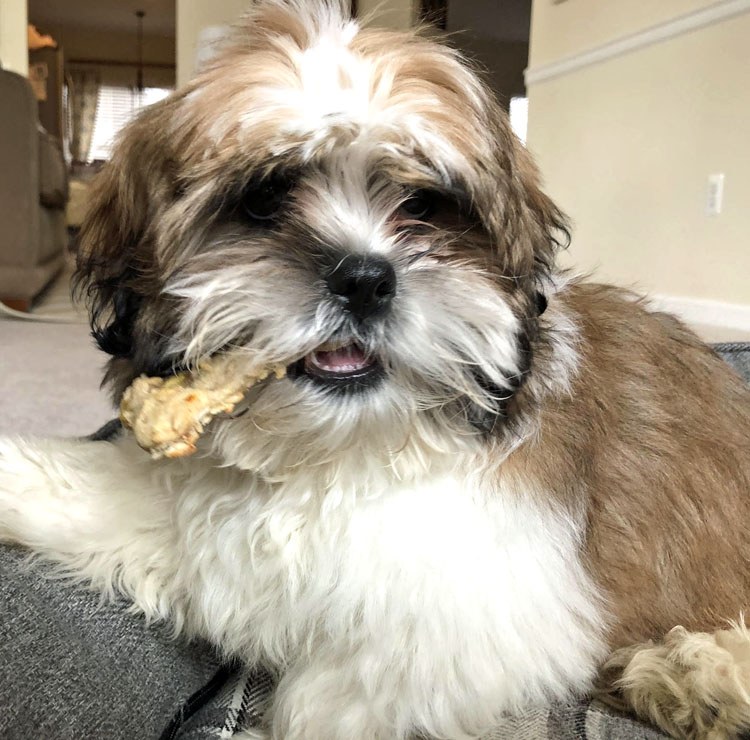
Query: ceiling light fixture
{"points": [[139, 74]]}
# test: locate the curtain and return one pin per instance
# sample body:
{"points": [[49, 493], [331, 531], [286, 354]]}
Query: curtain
{"points": [[84, 96]]}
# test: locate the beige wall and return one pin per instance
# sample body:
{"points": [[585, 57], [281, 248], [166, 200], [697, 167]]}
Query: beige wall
{"points": [[192, 17], [14, 53], [82, 43], [387, 13], [558, 30], [626, 146]]}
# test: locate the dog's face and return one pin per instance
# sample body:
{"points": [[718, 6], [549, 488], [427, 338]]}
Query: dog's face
{"points": [[348, 202]]}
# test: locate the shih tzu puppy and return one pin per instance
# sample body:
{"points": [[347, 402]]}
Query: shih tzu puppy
{"points": [[481, 486]]}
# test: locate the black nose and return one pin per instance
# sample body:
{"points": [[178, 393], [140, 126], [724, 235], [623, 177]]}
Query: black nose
{"points": [[365, 285]]}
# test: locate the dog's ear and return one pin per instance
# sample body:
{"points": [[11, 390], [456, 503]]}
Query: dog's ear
{"points": [[542, 223], [108, 254], [116, 264], [528, 229], [526, 225]]}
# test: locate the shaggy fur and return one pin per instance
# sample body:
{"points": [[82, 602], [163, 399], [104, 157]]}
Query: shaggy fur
{"points": [[693, 684], [543, 472]]}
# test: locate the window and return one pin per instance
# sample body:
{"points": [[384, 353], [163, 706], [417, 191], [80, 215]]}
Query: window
{"points": [[519, 117], [114, 108]]}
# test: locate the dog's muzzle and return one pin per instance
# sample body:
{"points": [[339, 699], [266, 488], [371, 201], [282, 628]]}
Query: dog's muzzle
{"points": [[364, 288]]}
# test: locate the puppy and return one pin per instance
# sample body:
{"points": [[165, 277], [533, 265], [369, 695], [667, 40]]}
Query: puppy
{"points": [[477, 480]]}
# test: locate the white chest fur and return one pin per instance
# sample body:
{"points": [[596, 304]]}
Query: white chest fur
{"points": [[431, 586]]}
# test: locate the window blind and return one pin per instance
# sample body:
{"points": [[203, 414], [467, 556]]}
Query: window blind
{"points": [[115, 107]]}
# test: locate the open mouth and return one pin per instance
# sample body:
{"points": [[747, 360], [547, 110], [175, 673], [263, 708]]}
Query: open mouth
{"points": [[339, 364]]}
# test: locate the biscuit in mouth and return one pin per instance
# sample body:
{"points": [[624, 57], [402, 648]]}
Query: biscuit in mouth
{"points": [[167, 415]]}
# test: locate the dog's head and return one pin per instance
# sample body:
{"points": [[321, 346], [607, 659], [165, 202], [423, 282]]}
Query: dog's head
{"points": [[350, 202]]}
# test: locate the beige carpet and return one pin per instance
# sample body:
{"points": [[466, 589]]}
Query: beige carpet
{"points": [[50, 372], [55, 302]]}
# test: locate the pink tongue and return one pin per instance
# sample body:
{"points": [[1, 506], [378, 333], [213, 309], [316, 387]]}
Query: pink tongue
{"points": [[344, 360]]}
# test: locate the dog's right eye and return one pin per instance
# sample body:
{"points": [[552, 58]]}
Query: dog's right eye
{"points": [[264, 201], [420, 205]]}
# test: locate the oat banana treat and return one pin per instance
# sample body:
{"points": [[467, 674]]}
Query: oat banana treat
{"points": [[167, 415]]}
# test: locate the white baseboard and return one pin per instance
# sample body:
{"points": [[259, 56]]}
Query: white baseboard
{"points": [[704, 311]]}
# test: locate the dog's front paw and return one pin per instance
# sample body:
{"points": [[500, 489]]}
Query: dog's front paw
{"points": [[691, 684]]}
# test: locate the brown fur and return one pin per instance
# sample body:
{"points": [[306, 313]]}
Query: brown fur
{"points": [[652, 448], [654, 439]]}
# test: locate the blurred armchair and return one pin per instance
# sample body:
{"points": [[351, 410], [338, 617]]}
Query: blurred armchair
{"points": [[33, 194]]}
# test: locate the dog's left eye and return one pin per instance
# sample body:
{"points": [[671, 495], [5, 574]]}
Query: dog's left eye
{"points": [[419, 205], [262, 202]]}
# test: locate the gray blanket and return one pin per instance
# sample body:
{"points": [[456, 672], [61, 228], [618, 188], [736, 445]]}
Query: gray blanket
{"points": [[72, 668], [241, 703]]}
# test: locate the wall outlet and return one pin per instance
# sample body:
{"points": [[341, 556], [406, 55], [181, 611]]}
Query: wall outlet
{"points": [[715, 194]]}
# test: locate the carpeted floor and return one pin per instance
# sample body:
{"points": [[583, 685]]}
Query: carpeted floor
{"points": [[50, 372]]}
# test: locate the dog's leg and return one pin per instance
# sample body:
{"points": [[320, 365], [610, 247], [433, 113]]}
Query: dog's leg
{"points": [[96, 511], [693, 685]]}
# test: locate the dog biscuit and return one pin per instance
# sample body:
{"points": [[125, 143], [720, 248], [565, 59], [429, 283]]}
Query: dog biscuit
{"points": [[167, 415]]}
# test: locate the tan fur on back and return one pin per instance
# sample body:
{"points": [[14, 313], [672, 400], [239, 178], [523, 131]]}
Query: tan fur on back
{"points": [[653, 441]]}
